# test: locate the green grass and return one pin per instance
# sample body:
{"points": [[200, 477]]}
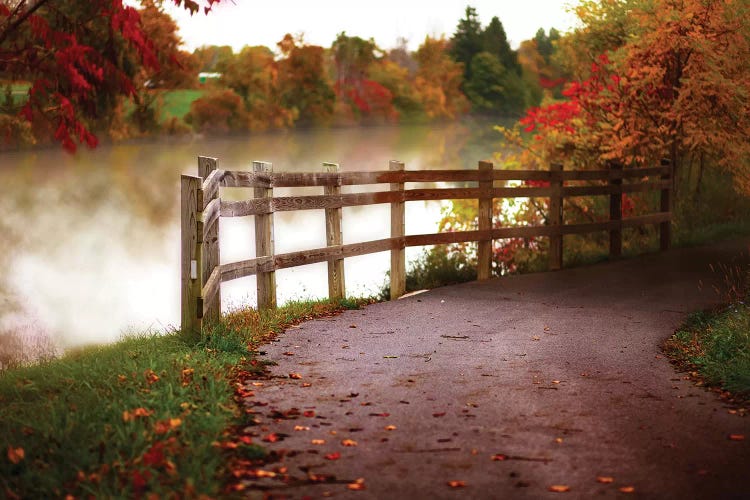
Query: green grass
{"points": [[176, 103], [145, 415], [716, 347]]}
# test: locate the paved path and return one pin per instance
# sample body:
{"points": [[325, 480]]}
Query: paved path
{"points": [[559, 373]]}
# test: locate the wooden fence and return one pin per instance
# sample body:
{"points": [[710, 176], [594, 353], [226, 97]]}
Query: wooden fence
{"points": [[202, 208]]}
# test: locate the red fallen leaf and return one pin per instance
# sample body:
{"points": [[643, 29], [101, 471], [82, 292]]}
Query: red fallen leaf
{"points": [[15, 455], [271, 438], [627, 489], [295, 376], [333, 456], [499, 457], [309, 413], [736, 437], [151, 376], [380, 414], [288, 353], [349, 442], [604, 479], [245, 439], [558, 488], [457, 484], [140, 479], [154, 457], [441, 414]]}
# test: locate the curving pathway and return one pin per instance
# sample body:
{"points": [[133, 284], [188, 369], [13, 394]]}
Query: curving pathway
{"points": [[557, 376]]}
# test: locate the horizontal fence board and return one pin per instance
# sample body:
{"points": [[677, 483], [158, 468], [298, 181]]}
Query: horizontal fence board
{"points": [[316, 255], [245, 207], [245, 268], [523, 192]]}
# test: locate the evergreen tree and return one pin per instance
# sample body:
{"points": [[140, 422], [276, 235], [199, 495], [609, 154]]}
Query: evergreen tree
{"points": [[467, 41], [495, 41]]}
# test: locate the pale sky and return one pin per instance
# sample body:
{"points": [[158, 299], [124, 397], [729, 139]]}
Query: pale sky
{"points": [[252, 22]]}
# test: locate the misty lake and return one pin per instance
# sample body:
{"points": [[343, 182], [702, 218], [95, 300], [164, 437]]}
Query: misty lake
{"points": [[91, 242]]}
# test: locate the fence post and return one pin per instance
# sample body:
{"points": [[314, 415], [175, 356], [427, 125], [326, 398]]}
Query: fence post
{"points": [[266, 281], [556, 216], [211, 258], [398, 231], [665, 228], [334, 236], [191, 234], [484, 246], [615, 209]]}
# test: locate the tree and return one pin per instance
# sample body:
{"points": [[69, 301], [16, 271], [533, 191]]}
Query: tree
{"points": [[72, 53], [176, 68], [304, 86], [667, 84], [253, 74], [495, 41], [438, 80], [467, 41]]}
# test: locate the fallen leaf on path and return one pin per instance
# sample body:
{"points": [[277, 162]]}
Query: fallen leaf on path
{"points": [[499, 457], [349, 442], [352, 326], [295, 376], [604, 479], [390, 357], [380, 414], [264, 473], [558, 440], [271, 438], [333, 456], [257, 384], [457, 484], [318, 441], [357, 485], [301, 428], [288, 353], [736, 437], [535, 338], [15, 455], [309, 413], [559, 488], [441, 414], [627, 489], [555, 381], [390, 427], [307, 384]]}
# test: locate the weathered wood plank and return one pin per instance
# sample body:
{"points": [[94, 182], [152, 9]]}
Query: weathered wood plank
{"points": [[211, 216], [245, 207], [484, 214], [264, 244], [210, 289], [398, 230], [190, 249], [665, 203], [615, 211], [211, 187], [334, 237], [250, 267], [316, 255], [555, 217], [207, 169]]}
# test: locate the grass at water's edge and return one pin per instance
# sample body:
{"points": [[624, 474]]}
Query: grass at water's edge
{"points": [[147, 415], [714, 348]]}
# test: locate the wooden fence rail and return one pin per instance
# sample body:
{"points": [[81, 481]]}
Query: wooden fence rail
{"points": [[202, 208]]}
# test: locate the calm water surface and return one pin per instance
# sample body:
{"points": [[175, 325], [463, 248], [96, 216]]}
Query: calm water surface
{"points": [[91, 242]]}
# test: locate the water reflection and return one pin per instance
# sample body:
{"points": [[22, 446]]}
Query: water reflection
{"points": [[91, 242]]}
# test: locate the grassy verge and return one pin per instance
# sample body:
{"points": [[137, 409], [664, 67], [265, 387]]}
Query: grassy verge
{"points": [[715, 348], [146, 415], [176, 103]]}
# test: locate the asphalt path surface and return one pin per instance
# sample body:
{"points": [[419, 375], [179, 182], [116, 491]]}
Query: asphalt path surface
{"points": [[506, 389]]}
